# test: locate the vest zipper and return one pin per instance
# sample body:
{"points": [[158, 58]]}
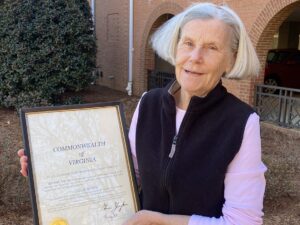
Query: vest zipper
{"points": [[170, 162], [171, 154], [173, 148]]}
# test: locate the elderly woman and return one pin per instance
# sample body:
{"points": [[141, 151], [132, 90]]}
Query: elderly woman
{"points": [[196, 148]]}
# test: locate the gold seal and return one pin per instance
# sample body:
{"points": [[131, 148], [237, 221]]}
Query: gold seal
{"points": [[59, 221]]}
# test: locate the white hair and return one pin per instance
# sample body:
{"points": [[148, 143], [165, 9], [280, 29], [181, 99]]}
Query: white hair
{"points": [[165, 39]]}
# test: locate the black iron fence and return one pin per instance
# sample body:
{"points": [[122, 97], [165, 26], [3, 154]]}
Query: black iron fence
{"points": [[279, 105], [158, 79]]}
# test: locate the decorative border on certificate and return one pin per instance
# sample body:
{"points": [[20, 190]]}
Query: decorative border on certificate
{"points": [[80, 166]]}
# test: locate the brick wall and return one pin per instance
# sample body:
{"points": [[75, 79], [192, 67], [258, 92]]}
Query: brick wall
{"points": [[112, 22], [262, 19]]}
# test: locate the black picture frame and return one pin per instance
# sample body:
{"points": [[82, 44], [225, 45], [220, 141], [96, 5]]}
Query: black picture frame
{"points": [[24, 118]]}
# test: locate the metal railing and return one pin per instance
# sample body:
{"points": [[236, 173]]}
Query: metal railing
{"points": [[158, 79], [279, 105]]}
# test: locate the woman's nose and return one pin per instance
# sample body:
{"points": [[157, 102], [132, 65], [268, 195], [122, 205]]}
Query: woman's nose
{"points": [[197, 55]]}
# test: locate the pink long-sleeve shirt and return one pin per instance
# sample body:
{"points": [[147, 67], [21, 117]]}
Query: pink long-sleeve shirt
{"points": [[244, 181]]}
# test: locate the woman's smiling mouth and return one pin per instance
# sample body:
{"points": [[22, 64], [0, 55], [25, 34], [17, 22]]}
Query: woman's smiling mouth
{"points": [[192, 72]]}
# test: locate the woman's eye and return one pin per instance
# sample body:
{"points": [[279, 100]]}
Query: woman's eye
{"points": [[212, 47], [188, 43]]}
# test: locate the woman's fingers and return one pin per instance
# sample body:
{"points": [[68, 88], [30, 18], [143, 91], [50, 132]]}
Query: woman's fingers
{"points": [[23, 162], [24, 165], [21, 152], [146, 217], [23, 170]]}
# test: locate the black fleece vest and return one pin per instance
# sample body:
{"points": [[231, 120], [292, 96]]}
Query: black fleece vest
{"points": [[211, 133]]}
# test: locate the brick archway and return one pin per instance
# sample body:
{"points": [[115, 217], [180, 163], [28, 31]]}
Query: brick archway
{"points": [[267, 25], [159, 15], [261, 33], [149, 64], [263, 30]]}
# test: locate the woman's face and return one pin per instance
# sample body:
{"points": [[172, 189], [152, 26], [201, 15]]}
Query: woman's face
{"points": [[203, 55]]}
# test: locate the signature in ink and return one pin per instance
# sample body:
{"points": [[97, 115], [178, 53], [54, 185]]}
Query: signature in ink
{"points": [[113, 210]]}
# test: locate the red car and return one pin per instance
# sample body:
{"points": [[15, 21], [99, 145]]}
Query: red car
{"points": [[283, 68]]}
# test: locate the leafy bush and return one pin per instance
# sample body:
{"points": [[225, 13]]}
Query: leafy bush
{"points": [[47, 47]]}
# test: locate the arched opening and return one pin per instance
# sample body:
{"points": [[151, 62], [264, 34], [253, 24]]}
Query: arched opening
{"points": [[278, 51], [280, 33], [159, 72], [282, 66]]}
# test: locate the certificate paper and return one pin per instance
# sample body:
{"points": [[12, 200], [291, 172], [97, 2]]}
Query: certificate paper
{"points": [[80, 169]]}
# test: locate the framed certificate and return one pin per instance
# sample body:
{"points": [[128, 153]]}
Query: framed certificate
{"points": [[80, 167]]}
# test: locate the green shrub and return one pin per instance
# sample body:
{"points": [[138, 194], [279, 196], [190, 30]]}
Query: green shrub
{"points": [[47, 47]]}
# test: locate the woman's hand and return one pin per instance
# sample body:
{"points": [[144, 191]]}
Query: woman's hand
{"points": [[145, 217], [23, 162]]}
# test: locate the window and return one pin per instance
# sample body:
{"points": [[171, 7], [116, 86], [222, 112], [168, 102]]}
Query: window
{"points": [[276, 57], [296, 58]]}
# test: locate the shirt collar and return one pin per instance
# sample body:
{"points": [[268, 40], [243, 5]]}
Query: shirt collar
{"points": [[175, 86]]}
